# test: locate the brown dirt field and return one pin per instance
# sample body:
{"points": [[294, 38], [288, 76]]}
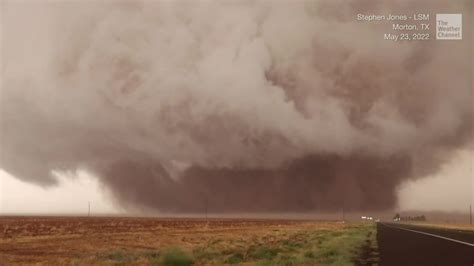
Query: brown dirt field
{"points": [[84, 240]]}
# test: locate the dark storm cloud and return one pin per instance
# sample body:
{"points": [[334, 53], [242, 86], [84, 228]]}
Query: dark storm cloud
{"points": [[246, 105]]}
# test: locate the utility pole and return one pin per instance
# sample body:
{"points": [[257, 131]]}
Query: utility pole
{"points": [[343, 214], [205, 203], [470, 214]]}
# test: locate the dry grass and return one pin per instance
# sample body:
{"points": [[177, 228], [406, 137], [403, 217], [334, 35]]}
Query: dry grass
{"points": [[149, 241]]}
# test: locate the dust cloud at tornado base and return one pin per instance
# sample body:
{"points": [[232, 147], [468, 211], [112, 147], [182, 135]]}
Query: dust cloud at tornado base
{"points": [[247, 105]]}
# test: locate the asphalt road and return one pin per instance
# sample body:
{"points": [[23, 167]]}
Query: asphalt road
{"points": [[400, 245]]}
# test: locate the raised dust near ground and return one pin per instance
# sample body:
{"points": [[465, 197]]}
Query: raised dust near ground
{"points": [[245, 106]]}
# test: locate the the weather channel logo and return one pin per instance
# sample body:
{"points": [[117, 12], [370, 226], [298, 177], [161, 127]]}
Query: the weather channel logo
{"points": [[449, 26]]}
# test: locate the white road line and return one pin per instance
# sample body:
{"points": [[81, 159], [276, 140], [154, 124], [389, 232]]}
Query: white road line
{"points": [[428, 234]]}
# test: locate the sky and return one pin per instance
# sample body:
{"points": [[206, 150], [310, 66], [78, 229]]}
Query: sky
{"points": [[451, 189], [70, 196], [276, 108]]}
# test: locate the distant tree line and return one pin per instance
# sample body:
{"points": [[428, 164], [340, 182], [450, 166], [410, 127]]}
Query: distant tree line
{"points": [[419, 218]]}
